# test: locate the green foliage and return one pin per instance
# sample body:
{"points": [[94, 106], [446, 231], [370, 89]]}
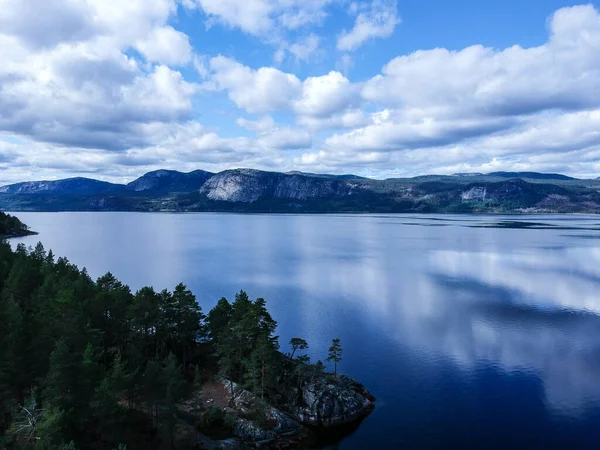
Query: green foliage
{"points": [[110, 365], [335, 353], [216, 423], [297, 344], [96, 351], [11, 226]]}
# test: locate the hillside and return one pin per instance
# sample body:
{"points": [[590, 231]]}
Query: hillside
{"points": [[249, 190], [11, 226]]}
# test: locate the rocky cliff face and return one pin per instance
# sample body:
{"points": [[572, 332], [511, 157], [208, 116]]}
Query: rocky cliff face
{"points": [[248, 185], [326, 401], [239, 185]]}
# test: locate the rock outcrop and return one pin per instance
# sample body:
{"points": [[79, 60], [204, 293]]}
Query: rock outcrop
{"points": [[248, 185], [273, 425], [327, 401]]}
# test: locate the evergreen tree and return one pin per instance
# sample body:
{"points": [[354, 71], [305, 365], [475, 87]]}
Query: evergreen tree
{"points": [[187, 321], [108, 362], [219, 317], [335, 354], [173, 391], [297, 344]]}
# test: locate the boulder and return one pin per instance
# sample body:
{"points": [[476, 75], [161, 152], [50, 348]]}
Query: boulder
{"points": [[330, 401]]}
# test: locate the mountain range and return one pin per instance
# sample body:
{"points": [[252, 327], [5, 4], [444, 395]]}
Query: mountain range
{"points": [[249, 190]]}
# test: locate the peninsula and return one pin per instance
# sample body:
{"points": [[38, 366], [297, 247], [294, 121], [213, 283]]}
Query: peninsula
{"points": [[90, 364], [11, 226]]}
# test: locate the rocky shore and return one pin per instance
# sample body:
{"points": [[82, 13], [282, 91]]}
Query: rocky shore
{"points": [[324, 403]]}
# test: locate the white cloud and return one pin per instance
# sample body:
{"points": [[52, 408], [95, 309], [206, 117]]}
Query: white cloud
{"points": [[484, 108], [325, 95], [379, 22], [351, 118], [305, 49], [263, 17], [70, 83], [166, 45], [268, 89], [78, 86], [256, 91], [563, 73], [285, 138], [264, 123]]}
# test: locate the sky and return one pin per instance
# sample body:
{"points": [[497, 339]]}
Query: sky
{"points": [[112, 89]]}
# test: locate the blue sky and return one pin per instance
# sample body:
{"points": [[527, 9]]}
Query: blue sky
{"points": [[112, 89]]}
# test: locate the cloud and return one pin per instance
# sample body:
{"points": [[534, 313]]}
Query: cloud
{"points": [[378, 22], [268, 89], [325, 95], [265, 123], [481, 108], [561, 74], [285, 138], [263, 17], [305, 49], [77, 86], [256, 91], [166, 45], [351, 118], [106, 82], [45, 24]]}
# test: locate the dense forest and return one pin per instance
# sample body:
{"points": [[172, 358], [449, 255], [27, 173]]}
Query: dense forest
{"points": [[88, 364], [10, 226]]}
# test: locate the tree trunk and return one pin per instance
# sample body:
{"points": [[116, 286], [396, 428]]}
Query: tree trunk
{"points": [[262, 382]]}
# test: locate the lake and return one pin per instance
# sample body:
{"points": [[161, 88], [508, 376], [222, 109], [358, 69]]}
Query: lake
{"points": [[472, 331]]}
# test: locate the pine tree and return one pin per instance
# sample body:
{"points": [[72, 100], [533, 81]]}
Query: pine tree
{"points": [[188, 326], [297, 344], [173, 391], [335, 354], [218, 318], [152, 388]]}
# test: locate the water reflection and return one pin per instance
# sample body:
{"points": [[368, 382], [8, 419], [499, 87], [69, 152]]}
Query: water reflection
{"points": [[525, 311]]}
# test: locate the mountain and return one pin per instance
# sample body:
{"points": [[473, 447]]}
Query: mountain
{"points": [[467, 174], [170, 181], [66, 186], [531, 175], [248, 185], [347, 176], [250, 190]]}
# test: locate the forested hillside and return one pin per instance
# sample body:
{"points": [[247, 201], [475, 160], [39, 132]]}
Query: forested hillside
{"points": [[10, 226], [256, 191], [88, 364]]}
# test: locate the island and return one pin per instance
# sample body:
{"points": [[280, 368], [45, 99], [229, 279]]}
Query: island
{"points": [[90, 364]]}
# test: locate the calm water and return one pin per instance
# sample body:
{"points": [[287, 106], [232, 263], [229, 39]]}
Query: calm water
{"points": [[474, 332]]}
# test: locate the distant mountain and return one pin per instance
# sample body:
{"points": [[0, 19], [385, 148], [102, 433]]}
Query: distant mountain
{"points": [[249, 190], [249, 185], [467, 174], [170, 181], [347, 176], [66, 186], [531, 175]]}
